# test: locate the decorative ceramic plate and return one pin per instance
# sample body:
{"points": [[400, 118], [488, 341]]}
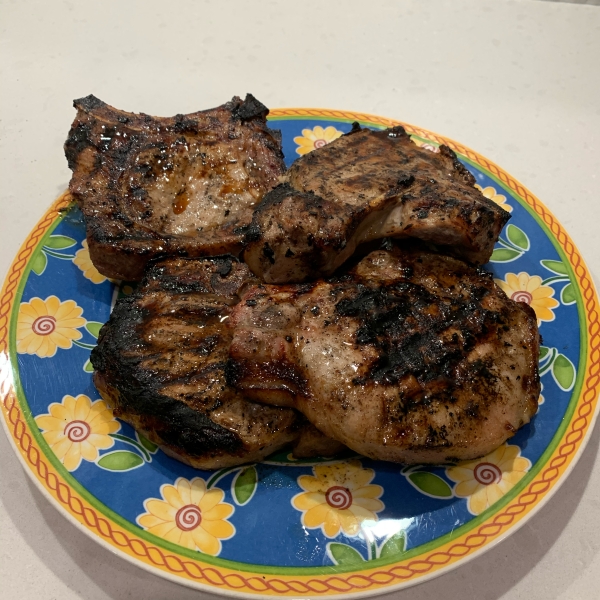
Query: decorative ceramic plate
{"points": [[288, 527]]}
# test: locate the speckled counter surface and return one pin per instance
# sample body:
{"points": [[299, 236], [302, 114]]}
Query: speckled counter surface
{"points": [[518, 81]]}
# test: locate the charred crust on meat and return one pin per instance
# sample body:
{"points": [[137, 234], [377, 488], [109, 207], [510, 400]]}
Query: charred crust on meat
{"points": [[364, 184], [281, 193], [249, 109], [465, 174], [180, 425], [183, 124], [416, 369], [224, 264], [161, 362], [234, 372], [89, 102], [268, 253], [118, 158], [76, 143], [355, 128], [406, 324], [395, 132], [249, 233]]}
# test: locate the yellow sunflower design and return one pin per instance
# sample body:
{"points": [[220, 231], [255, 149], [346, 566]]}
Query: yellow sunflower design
{"points": [[45, 325], [77, 428], [529, 289], [317, 137], [485, 480], [491, 194], [338, 497], [84, 262], [189, 515]]}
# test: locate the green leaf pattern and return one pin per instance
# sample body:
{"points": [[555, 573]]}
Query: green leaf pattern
{"points": [[39, 262], [94, 327], [120, 460], [151, 447], [430, 484], [563, 372], [244, 485], [502, 255], [512, 247], [517, 237], [342, 554], [51, 247], [556, 266], [126, 460], [567, 295], [562, 368], [393, 546], [59, 242]]}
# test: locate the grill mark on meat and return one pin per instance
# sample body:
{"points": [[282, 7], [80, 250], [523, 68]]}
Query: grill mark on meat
{"points": [[177, 424], [151, 187], [412, 356], [162, 363], [139, 369], [404, 322], [364, 186]]}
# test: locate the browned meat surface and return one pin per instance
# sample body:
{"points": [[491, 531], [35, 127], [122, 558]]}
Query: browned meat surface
{"points": [[160, 363], [411, 356], [311, 442], [365, 186], [150, 186]]}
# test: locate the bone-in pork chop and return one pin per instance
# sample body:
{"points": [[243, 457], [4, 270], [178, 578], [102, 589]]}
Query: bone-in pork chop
{"points": [[160, 363], [411, 356], [150, 186], [364, 186]]}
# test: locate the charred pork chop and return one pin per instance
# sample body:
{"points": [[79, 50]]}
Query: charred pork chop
{"points": [[364, 186], [150, 186], [160, 363], [410, 357]]}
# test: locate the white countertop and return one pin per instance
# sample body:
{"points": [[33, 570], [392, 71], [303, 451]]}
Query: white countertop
{"points": [[517, 81]]}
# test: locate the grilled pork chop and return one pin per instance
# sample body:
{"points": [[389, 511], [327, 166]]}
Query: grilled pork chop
{"points": [[364, 186], [411, 357], [150, 186], [160, 363]]}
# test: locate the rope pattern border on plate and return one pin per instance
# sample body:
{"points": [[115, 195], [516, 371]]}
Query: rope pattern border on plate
{"points": [[339, 583]]}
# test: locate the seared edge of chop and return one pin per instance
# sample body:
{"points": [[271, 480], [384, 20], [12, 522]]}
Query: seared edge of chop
{"points": [[367, 185], [183, 185], [410, 357], [160, 364]]}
